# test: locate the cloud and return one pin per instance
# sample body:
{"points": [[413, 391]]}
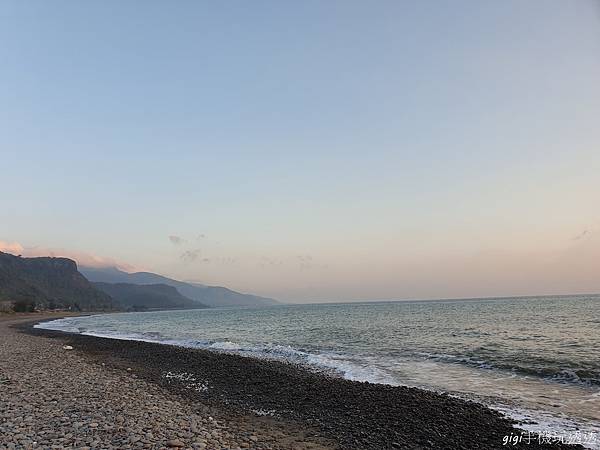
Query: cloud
{"points": [[176, 240], [306, 262], [266, 261], [83, 259], [11, 247], [581, 235], [190, 255], [225, 260]]}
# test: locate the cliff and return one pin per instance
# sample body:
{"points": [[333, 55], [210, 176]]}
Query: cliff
{"points": [[49, 282]]}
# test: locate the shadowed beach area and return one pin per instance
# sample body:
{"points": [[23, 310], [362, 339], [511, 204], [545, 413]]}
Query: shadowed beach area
{"points": [[107, 393]]}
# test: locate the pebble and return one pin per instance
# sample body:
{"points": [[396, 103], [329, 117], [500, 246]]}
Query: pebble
{"points": [[53, 399]]}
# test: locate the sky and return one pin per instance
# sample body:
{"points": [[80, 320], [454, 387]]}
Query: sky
{"points": [[308, 151]]}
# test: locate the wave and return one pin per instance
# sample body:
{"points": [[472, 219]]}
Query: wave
{"points": [[557, 371], [327, 362], [351, 367]]}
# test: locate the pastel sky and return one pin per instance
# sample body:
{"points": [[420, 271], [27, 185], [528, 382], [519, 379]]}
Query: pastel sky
{"points": [[308, 151]]}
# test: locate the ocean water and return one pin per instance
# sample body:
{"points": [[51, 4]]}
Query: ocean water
{"points": [[536, 359]]}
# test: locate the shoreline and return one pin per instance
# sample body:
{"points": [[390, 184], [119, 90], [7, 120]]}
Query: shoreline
{"points": [[55, 397], [354, 414]]}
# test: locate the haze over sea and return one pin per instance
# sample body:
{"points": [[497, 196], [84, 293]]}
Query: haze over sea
{"points": [[535, 358]]}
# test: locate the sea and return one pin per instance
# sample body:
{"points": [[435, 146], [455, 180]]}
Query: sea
{"points": [[535, 359]]}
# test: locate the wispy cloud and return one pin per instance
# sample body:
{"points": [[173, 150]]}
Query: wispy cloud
{"points": [[224, 260], [176, 240], [190, 255], [581, 235], [306, 262], [266, 261]]}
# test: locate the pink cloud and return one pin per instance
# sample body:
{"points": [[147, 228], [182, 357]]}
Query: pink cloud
{"points": [[11, 247], [82, 258]]}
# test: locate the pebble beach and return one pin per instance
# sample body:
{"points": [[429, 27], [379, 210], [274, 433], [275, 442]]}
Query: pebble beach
{"points": [[55, 398], [60, 390]]}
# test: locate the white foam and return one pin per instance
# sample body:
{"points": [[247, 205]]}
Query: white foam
{"points": [[545, 424], [189, 380], [340, 364], [58, 325]]}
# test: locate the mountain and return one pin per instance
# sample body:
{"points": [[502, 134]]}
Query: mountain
{"points": [[213, 296], [49, 282], [149, 296]]}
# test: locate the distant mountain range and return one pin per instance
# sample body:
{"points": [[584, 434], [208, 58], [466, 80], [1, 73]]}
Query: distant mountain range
{"points": [[49, 283], [212, 296], [138, 297]]}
